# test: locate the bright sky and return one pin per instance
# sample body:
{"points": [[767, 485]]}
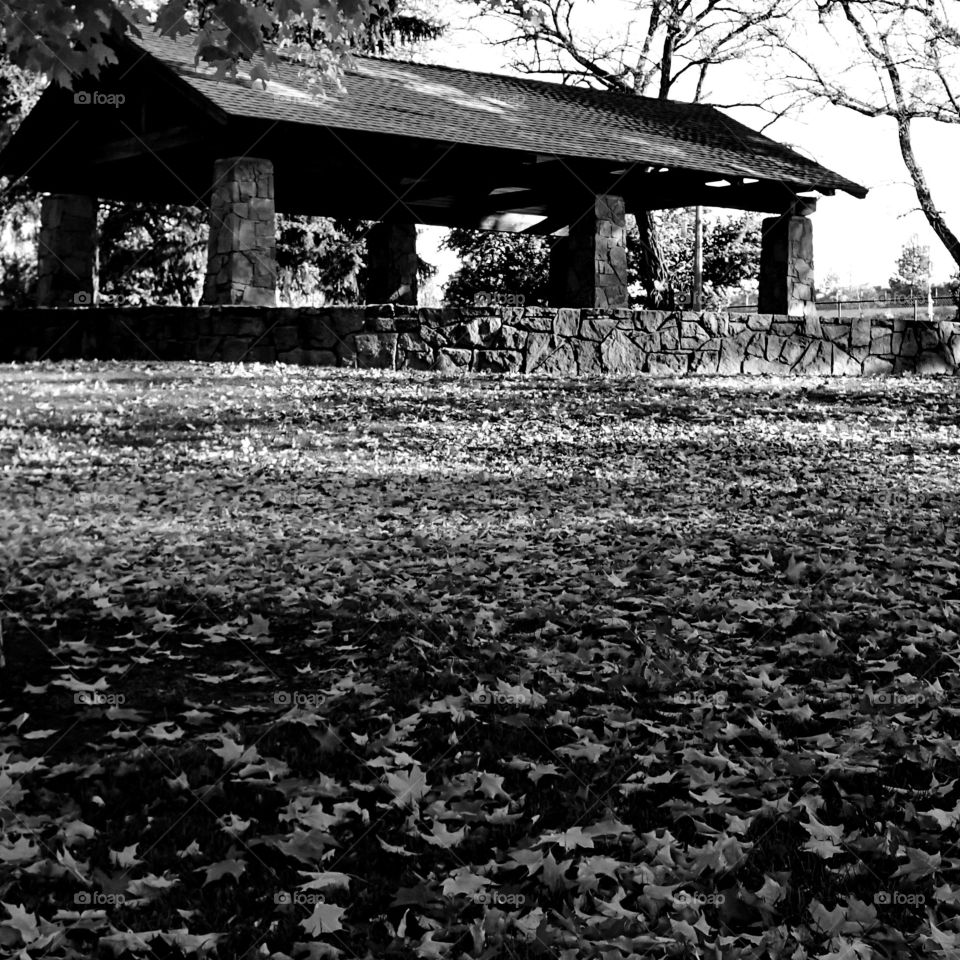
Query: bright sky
{"points": [[859, 240]]}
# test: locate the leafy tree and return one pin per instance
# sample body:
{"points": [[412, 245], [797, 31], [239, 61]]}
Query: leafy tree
{"points": [[62, 39], [19, 206], [502, 263], [151, 253], [913, 270], [519, 263]]}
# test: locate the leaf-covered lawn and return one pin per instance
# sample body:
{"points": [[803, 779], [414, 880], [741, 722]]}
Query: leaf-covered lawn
{"points": [[311, 663]]}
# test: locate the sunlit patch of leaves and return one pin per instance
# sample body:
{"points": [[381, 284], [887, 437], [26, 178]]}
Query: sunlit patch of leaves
{"points": [[332, 664]]}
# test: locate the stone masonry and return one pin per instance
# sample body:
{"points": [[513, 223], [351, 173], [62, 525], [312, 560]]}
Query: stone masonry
{"points": [[786, 267], [67, 251], [391, 273], [595, 257], [543, 340], [242, 246]]}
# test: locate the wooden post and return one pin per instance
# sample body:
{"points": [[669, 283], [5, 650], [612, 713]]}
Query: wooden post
{"points": [[696, 299]]}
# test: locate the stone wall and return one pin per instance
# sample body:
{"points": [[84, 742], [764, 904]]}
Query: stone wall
{"points": [[525, 339]]}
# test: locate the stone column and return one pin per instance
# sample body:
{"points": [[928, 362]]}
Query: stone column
{"points": [[67, 251], [596, 268], [786, 267], [242, 247], [391, 271]]}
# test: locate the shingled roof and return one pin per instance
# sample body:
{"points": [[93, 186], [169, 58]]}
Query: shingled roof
{"points": [[450, 105]]}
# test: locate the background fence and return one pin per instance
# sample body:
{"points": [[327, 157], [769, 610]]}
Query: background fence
{"points": [[923, 308]]}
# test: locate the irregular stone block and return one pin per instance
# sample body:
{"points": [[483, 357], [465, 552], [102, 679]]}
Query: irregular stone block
{"points": [[731, 358], [537, 347], [845, 365], [817, 361], [760, 365], [235, 349], [836, 332], [705, 361], [619, 355], [759, 321], [667, 364], [411, 343], [346, 320], [498, 361], [932, 363], [786, 328], [670, 337], [693, 332], [596, 328], [648, 320], [285, 338], [558, 361], [773, 346], [454, 360], [379, 325], [376, 351], [811, 326], [860, 332], [508, 338], [955, 348], [537, 318], [567, 323], [791, 352], [877, 366], [587, 354]]}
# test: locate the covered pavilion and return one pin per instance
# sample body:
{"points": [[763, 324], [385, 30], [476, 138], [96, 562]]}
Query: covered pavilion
{"points": [[402, 144]]}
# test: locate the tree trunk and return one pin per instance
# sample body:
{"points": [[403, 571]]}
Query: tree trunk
{"points": [[934, 217], [651, 272]]}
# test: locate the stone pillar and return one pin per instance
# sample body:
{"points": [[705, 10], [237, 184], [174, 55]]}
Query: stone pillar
{"points": [[596, 270], [391, 271], [786, 267], [67, 251], [242, 247]]}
